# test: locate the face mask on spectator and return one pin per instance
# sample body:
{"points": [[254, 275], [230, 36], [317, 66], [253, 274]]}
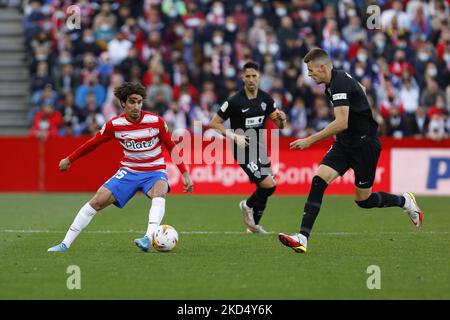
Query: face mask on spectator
{"points": [[432, 72], [362, 57], [258, 11], [380, 43], [179, 31], [217, 40], [218, 10], [172, 12], [359, 72], [104, 27], [41, 57], [447, 57], [230, 72], [188, 41], [281, 12], [65, 60], [423, 56], [273, 48], [89, 39], [337, 63], [231, 27]]}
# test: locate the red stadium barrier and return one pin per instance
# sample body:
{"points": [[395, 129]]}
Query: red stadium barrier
{"points": [[30, 165]]}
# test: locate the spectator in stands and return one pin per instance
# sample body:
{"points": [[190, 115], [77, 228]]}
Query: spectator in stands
{"points": [[429, 95], [158, 86], [395, 123], [41, 78], [409, 94], [83, 90], [118, 48], [190, 43], [93, 122], [321, 114], [67, 81], [392, 101], [419, 123], [298, 117], [87, 43], [437, 130], [104, 24], [46, 123], [72, 117], [353, 31]]}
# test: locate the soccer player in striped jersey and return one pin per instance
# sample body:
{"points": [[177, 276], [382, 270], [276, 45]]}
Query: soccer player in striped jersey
{"points": [[142, 136]]}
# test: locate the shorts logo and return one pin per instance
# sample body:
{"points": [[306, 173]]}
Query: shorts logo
{"points": [[254, 122], [339, 96], [263, 106]]}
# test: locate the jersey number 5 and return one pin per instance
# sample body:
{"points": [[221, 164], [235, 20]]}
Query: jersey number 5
{"points": [[120, 174]]}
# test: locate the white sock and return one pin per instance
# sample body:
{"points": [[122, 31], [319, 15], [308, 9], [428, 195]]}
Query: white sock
{"points": [[82, 219], [155, 215]]}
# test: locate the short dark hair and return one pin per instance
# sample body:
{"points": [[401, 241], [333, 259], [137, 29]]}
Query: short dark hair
{"points": [[316, 54], [250, 65], [126, 89]]}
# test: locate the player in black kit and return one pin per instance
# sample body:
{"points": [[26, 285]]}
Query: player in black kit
{"points": [[248, 110], [357, 146]]}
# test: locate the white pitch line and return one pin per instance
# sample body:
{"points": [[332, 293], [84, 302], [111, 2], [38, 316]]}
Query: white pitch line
{"points": [[218, 232]]}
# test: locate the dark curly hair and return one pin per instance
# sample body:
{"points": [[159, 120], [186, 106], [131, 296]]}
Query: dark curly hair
{"points": [[126, 89]]}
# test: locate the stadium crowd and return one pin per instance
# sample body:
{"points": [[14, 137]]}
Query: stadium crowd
{"points": [[188, 55]]}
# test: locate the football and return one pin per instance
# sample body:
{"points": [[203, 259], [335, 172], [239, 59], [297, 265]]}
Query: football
{"points": [[165, 238]]}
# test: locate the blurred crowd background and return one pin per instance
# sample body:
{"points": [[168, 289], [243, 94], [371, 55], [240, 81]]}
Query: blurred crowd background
{"points": [[189, 53]]}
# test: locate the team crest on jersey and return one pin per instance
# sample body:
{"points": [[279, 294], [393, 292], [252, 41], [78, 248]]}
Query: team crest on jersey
{"points": [[263, 106]]}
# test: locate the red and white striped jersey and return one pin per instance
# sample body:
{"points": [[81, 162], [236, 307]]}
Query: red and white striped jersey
{"points": [[141, 142]]}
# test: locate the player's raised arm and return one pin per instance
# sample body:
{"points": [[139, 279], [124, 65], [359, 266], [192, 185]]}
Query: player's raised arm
{"points": [[102, 136], [339, 124], [279, 117], [217, 123]]}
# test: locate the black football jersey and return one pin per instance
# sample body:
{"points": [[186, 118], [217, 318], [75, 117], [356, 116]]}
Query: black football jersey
{"points": [[248, 115], [343, 90]]}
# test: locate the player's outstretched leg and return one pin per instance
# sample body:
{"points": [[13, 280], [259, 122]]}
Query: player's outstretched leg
{"points": [[384, 200], [247, 213], [412, 209], [155, 216], [83, 218], [298, 241], [253, 209]]}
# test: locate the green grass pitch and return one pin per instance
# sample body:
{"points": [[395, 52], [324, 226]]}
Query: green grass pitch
{"points": [[215, 258]]}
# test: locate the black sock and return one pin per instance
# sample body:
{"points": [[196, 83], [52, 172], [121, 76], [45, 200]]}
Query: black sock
{"points": [[258, 201], [382, 200], [312, 205]]}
